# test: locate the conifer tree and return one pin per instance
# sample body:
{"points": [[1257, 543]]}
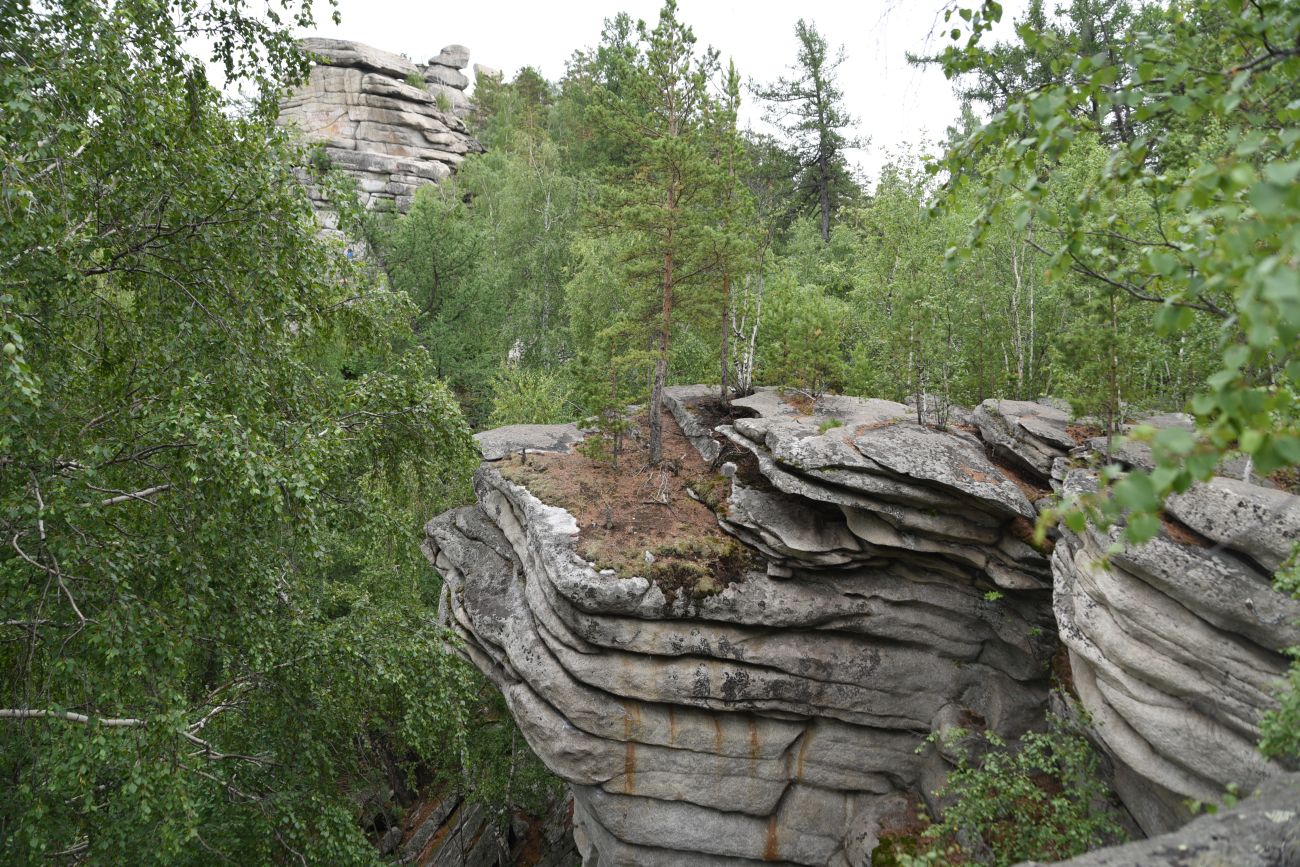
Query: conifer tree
{"points": [[662, 195], [809, 108]]}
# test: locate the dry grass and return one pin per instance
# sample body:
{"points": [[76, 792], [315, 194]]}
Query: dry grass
{"points": [[641, 520]]}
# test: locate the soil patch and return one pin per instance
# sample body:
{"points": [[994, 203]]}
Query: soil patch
{"points": [[803, 403], [1183, 534], [635, 519], [1030, 487], [1081, 433], [712, 413], [1062, 673], [1023, 529], [1286, 479]]}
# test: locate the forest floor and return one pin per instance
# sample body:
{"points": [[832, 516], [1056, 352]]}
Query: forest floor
{"points": [[637, 519]]}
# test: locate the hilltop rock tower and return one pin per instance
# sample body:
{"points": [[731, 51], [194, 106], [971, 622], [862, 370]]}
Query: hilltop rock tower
{"points": [[390, 123]]}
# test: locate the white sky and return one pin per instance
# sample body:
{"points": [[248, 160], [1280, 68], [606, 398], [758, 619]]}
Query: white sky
{"points": [[895, 104]]}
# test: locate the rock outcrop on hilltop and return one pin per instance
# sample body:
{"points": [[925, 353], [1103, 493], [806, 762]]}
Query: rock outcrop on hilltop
{"points": [[388, 122], [891, 589]]}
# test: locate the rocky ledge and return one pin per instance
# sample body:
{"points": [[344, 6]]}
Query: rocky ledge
{"points": [[390, 123], [890, 589]]}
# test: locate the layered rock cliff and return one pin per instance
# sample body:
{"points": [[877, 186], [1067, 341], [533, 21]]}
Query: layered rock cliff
{"points": [[873, 581], [391, 124]]}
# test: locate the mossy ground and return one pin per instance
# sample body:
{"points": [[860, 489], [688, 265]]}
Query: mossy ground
{"points": [[657, 522]]}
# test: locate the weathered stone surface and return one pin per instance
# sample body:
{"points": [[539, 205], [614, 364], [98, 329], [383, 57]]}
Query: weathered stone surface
{"points": [[1177, 650], [365, 107], [777, 720], [346, 53], [454, 56], [1262, 831], [1257, 522], [446, 76], [501, 442]]}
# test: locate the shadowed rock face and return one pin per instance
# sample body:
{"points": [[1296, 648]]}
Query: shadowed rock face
{"points": [[778, 720], [392, 125]]}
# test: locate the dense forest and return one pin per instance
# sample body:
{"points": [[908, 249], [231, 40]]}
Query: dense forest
{"points": [[221, 433]]}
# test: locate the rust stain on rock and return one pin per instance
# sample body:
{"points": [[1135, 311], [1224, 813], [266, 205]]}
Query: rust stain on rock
{"points": [[629, 768], [803, 752], [772, 845]]}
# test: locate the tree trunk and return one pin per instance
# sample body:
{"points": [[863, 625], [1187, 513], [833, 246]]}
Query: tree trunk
{"points": [[824, 197], [726, 333], [661, 363]]}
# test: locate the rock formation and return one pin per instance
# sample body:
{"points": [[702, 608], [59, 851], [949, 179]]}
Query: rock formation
{"points": [[891, 590], [449, 831], [392, 125]]}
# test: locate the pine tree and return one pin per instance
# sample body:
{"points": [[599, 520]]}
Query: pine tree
{"points": [[662, 196], [809, 108]]}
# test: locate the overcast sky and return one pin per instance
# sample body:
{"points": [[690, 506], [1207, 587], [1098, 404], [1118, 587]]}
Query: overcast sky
{"points": [[895, 104]]}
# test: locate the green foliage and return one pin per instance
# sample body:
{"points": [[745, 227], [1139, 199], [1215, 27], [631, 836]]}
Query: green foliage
{"points": [[801, 346], [416, 80], [486, 256], [319, 160], [522, 395], [219, 442], [1193, 209], [1281, 727], [809, 108], [662, 199], [1037, 799]]}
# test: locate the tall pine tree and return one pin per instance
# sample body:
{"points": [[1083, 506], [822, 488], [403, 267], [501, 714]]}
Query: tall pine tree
{"points": [[662, 197]]}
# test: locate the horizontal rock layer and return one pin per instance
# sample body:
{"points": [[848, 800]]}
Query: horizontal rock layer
{"points": [[1178, 648], [778, 719], [896, 593], [388, 123]]}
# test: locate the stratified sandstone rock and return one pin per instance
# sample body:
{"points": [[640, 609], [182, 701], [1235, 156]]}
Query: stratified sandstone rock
{"points": [[1177, 649], [1031, 435], [374, 120], [778, 719], [895, 593]]}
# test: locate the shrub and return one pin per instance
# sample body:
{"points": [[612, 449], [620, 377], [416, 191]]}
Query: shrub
{"points": [[1040, 799], [1281, 726], [529, 396]]}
